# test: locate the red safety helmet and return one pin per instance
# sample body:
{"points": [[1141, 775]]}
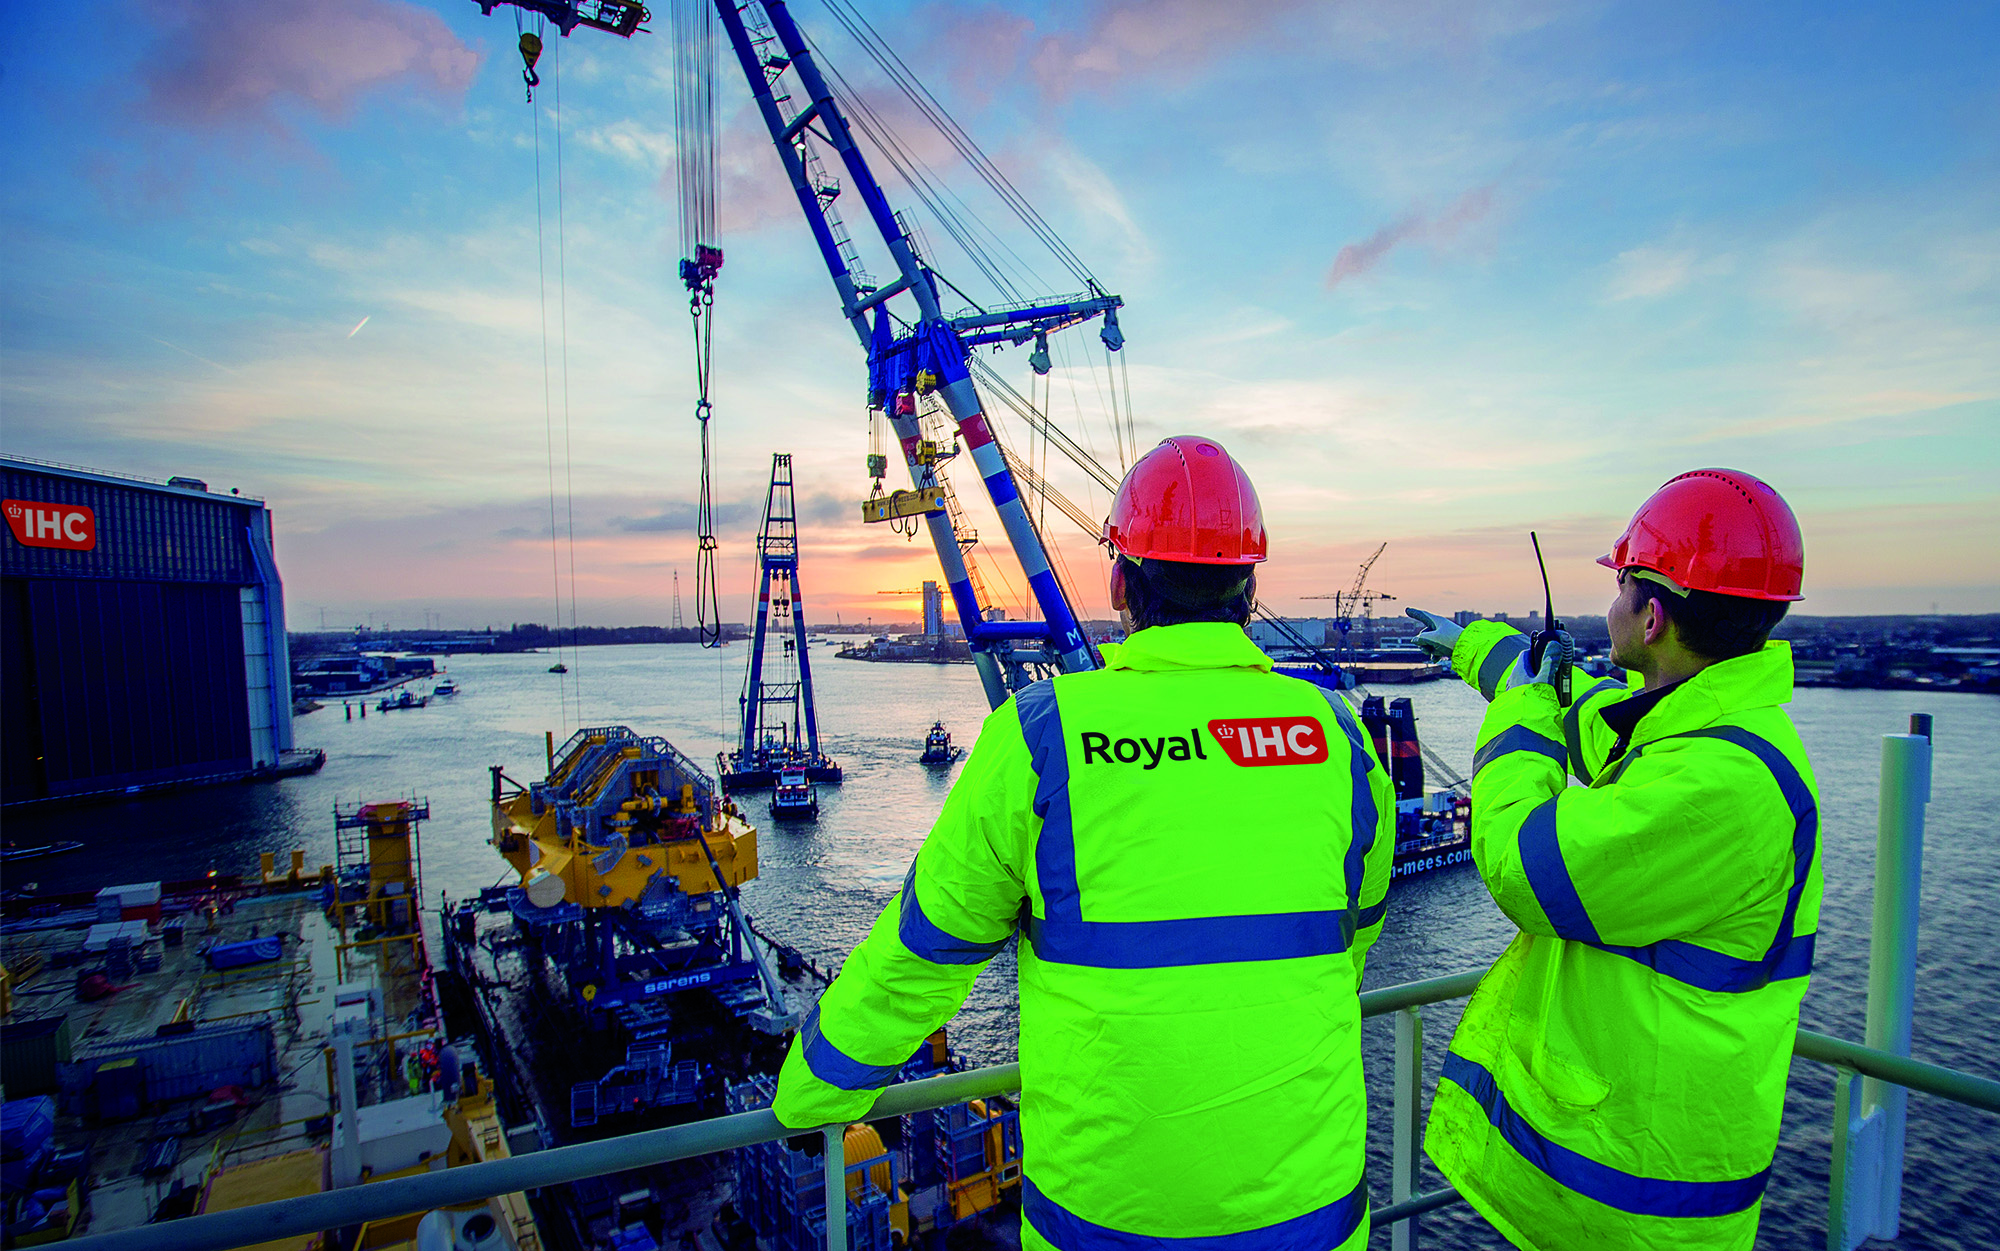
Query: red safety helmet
{"points": [[1716, 530], [1187, 500]]}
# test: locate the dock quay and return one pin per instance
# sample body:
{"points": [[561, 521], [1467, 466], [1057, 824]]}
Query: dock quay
{"points": [[206, 1046]]}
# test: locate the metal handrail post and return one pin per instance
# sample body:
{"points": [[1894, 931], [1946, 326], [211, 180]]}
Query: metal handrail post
{"points": [[1841, 1165], [836, 1187], [1870, 1197], [1406, 1122]]}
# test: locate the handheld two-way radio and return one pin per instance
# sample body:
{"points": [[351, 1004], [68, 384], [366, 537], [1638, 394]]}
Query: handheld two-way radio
{"points": [[1552, 635]]}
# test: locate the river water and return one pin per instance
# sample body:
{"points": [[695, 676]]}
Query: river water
{"points": [[822, 885]]}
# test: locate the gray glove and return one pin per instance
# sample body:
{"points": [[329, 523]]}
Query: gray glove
{"points": [[1439, 635], [1554, 658]]}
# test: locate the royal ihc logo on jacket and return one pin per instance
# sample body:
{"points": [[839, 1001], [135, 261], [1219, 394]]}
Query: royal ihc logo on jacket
{"points": [[1252, 742]]}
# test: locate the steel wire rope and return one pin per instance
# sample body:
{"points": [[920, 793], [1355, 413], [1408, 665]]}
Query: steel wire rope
{"points": [[913, 88], [906, 163], [569, 462], [1076, 402], [1074, 452], [548, 421], [1125, 373], [1109, 406], [694, 155], [973, 220]]}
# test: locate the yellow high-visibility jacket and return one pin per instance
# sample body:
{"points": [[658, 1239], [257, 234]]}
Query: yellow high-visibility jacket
{"points": [[1618, 1078], [1195, 851]]}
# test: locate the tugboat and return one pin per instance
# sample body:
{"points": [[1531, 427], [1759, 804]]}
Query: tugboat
{"points": [[937, 746], [404, 700], [794, 798]]}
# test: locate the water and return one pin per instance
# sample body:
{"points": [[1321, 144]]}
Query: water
{"points": [[822, 885]]}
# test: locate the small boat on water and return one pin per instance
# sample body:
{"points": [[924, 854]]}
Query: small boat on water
{"points": [[794, 798], [404, 700], [11, 852], [445, 687], [937, 746], [558, 667]]}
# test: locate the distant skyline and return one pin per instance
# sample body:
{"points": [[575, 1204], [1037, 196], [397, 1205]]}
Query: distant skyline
{"points": [[1436, 273]]}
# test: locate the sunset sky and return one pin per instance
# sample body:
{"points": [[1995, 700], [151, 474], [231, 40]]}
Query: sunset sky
{"points": [[1437, 273]]}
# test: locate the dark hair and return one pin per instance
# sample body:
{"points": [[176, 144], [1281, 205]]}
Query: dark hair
{"points": [[1719, 627], [1174, 592]]}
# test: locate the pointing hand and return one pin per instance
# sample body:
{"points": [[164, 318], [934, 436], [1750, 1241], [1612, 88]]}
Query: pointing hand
{"points": [[1439, 635]]}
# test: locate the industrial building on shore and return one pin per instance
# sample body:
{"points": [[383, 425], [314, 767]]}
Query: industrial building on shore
{"points": [[142, 636]]}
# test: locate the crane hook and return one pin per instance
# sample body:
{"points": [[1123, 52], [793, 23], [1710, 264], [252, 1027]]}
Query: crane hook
{"points": [[531, 51]]}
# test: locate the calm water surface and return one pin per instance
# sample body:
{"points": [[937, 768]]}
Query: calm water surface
{"points": [[822, 885]]}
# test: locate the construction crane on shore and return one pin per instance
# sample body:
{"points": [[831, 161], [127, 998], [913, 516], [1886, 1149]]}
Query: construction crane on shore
{"points": [[1356, 600]]}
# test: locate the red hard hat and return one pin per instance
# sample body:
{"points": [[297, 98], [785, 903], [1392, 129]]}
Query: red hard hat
{"points": [[1716, 530], [1186, 500]]}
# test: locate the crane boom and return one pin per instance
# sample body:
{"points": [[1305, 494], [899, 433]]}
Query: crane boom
{"points": [[914, 356], [919, 351]]}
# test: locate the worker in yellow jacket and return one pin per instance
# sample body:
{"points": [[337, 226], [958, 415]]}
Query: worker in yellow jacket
{"points": [[1195, 852], [1618, 1077]]}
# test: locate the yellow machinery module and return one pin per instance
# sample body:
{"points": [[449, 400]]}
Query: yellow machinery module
{"points": [[629, 859], [618, 813]]}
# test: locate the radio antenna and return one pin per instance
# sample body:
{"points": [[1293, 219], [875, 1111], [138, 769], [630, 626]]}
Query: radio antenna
{"points": [[1548, 599], [1551, 634]]}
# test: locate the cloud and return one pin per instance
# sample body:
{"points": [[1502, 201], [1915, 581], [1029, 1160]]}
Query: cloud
{"points": [[228, 63], [990, 47], [631, 141], [1650, 271], [813, 508], [1124, 38], [1090, 189], [1356, 259]]}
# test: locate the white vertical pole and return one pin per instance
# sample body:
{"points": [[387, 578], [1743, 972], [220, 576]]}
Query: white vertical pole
{"points": [[1867, 1192], [836, 1187], [1846, 1200], [1892, 959], [1406, 1125], [347, 1150]]}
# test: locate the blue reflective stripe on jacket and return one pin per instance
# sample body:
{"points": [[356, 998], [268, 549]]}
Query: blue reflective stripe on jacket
{"points": [[1787, 956], [1197, 904], [1317, 1230], [1645, 1196], [1064, 937], [1618, 1078]]}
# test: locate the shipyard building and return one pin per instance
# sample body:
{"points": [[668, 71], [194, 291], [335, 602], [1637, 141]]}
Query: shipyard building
{"points": [[142, 636]]}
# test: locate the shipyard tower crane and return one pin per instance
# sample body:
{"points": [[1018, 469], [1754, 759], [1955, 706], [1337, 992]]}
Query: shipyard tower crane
{"points": [[780, 727], [1355, 599]]}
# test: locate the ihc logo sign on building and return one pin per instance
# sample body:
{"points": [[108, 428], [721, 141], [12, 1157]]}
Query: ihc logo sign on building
{"points": [[69, 526]]}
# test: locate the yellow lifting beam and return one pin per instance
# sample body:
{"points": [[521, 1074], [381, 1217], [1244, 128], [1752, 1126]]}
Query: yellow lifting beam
{"points": [[899, 504]]}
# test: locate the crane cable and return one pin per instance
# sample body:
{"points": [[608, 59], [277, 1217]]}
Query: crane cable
{"points": [[694, 128], [919, 96], [548, 417], [569, 462]]}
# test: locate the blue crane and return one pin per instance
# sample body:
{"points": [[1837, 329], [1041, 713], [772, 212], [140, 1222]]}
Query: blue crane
{"points": [[916, 352]]}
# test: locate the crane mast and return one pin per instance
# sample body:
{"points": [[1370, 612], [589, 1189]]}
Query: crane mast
{"points": [[913, 355], [929, 355]]}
